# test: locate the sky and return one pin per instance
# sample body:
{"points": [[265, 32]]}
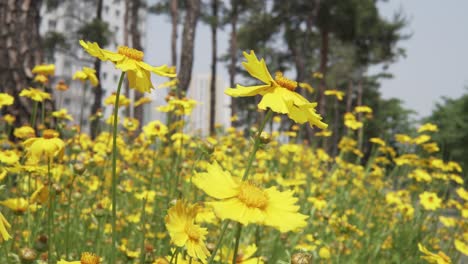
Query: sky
{"points": [[436, 64]]}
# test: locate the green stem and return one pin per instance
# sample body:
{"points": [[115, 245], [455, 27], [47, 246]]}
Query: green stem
{"points": [[143, 218], [256, 145], [49, 215], [67, 230], [218, 244], [114, 170], [34, 113], [236, 246], [176, 252], [83, 98]]}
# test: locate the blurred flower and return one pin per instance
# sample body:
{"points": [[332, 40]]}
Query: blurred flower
{"points": [[428, 127], [24, 132], [439, 258], [45, 69], [62, 114], [6, 99], [46, 147], [338, 94], [3, 228], [61, 86], [430, 201], [129, 60], [35, 94], [87, 74]]}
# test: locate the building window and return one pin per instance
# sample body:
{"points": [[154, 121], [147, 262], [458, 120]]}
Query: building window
{"points": [[117, 13], [52, 24], [106, 9], [104, 75], [66, 101], [116, 78]]}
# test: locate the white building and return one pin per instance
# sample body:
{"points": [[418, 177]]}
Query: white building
{"points": [[67, 19], [199, 90]]}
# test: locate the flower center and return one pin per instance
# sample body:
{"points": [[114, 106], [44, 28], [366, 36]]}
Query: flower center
{"points": [[89, 258], [285, 82], [131, 53], [252, 196], [49, 133], [192, 232]]}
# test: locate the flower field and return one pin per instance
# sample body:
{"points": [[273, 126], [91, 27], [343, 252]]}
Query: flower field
{"points": [[155, 193]]}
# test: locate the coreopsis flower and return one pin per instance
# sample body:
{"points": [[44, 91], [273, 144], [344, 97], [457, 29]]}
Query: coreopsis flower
{"points": [[317, 75], [428, 127], [61, 86], [338, 94], [62, 114], [307, 87], [182, 106], [351, 121], [461, 246], [9, 119], [86, 258], [430, 201], [8, 157], [44, 69], [247, 203], [35, 94], [439, 258], [123, 100], [24, 132], [87, 74], [131, 124], [4, 235], [142, 101], [131, 61], [17, 205], [171, 83], [46, 147], [180, 222], [41, 78], [278, 94], [6, 99], [155, 129]]}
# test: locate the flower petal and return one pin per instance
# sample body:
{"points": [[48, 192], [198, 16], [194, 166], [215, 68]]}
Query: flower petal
{"points": [[216, 182], [256, 68], [236, 210], [241, 91]]}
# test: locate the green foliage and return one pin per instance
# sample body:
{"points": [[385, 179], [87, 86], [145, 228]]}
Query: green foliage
{"points": [[53, 41], [95, 31], [450, 116]]}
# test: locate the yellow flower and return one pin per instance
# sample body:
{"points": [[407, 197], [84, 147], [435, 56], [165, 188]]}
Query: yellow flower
{"points": [[18, 205], [278, 94], [246, 203], [6, 99], [131, 124], [3, 228], [44, 69], [123, 100], [129, 60], [439, 258], [324, 253], [142, 101], [377, 141], [171, 83], [46, 147], [430, 201], [35, 94], [180, 222], [428, 127], [307, 86], [86, 258], [87, 74], [24, 132], [8, 157], [155, 129], [41, 78], [317, 75], [338, 94], [461, 246], [351, 121], [9, 119], [182, 106], [62, 114], [462, 193]]}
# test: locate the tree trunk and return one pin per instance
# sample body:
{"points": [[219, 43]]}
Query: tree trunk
{"points": [[97, 91], [174, 19], [233, 53], [136, 44], [214, 55], [188, 40], [20, 51], [324, 36]]}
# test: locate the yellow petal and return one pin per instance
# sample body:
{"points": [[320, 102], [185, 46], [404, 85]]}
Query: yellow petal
{"points": [[256, 68], [162, 70], [241, 91], [282, 213], [216, 182], [235, 210], [275, 102]]}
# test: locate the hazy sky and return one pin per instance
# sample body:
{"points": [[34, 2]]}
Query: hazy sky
{"points": [[437, 53]]}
